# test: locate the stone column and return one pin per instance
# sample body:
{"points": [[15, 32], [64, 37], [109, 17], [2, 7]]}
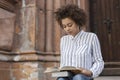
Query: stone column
{"points": [[28, 68], [27, 25]]}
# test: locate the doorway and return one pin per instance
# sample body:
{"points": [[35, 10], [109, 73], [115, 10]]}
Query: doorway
{"points": [[105, 22]]}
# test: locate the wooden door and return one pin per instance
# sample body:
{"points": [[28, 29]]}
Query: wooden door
{"points": [[105, 22]]}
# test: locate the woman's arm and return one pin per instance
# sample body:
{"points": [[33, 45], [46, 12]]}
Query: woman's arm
{"points": [[98, 63]]}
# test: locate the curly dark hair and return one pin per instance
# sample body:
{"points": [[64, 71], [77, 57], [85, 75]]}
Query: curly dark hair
{"points": [[73, 12]]}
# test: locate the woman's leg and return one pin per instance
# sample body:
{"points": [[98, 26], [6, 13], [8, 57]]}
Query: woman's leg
{"points": [[62, 78], [80, 77]]}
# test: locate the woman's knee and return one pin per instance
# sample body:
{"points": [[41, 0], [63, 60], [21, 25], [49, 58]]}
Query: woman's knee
{"points": [[80, 77], [61, 78]]}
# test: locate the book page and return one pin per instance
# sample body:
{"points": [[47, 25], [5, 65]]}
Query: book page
{"points": [[65, 68], [51, 69], [68, 68], [71, 69]]}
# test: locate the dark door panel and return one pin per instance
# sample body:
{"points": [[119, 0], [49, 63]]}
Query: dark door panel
{"points": [[105, 22]]}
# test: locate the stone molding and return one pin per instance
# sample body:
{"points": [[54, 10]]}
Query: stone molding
{"points": [[7, 5], [30, 56]]}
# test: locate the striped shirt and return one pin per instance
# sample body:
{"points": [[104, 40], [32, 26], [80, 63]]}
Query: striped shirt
{"points": [[83, 50]]}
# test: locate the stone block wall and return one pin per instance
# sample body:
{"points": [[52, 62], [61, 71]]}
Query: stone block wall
{"points": [[25, 70], [5, 71]]}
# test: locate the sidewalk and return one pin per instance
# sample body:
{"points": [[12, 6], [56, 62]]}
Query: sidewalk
{"points": [[108, 78]]}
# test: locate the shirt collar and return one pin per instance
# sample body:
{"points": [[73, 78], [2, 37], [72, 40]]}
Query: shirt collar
{"points": [[77, 35]]}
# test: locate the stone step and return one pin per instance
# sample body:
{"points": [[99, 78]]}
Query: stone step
{"points": [[108, 78]]}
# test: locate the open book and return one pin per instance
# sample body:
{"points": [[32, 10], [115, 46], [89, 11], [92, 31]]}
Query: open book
{"points": [[62, 72], [65, 68]]}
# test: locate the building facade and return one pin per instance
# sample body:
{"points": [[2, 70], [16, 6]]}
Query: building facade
{"points": [[30, 36]]}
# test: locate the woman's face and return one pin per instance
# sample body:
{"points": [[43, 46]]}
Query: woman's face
{"points": [[70, 26]]}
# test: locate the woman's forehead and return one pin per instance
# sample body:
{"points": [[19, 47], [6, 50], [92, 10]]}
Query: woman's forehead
{"points": [[67, 20]]}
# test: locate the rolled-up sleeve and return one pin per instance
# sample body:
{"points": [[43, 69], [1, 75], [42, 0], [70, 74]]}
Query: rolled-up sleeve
{"points": [[98, 63]]}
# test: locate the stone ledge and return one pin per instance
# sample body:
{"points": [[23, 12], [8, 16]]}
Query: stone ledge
{"points": [[111, 72], [29, 56], [108, 78]]}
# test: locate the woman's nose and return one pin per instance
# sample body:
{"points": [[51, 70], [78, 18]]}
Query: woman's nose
{"points": [[67, 28]]}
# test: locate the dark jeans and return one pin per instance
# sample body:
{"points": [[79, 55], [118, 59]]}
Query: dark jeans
{"points": [[75, 77]]}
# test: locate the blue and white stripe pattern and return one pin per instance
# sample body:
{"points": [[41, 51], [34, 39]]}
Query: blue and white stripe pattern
{"points": [[83, 50]]}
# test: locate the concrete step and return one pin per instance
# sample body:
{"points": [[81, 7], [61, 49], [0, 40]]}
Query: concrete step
{"points": [[108, 78]]}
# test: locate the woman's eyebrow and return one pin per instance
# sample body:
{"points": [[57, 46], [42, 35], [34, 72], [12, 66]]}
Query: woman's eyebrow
{"points": [[69, 23]]}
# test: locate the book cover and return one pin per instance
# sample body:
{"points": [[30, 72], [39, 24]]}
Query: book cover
{"points": [[61, 74]]}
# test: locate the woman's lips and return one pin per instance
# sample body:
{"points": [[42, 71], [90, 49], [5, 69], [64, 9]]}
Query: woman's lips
{"points": [[69, 32]]}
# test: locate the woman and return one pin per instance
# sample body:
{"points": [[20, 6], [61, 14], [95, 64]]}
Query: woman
{"points": [[78, 48]]}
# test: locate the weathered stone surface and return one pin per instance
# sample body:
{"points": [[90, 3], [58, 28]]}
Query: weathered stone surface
{"points": [[25, 71], [7, 20]]}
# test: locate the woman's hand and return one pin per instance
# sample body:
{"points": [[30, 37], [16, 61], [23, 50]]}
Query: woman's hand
{"points": [[86, 72], [82, 71]]}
